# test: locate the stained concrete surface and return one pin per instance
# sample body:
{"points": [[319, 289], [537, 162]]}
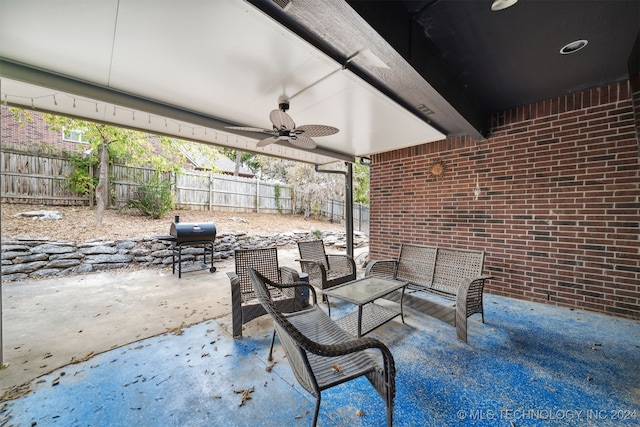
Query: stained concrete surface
{"points": [[49, 323], [528, 365]]}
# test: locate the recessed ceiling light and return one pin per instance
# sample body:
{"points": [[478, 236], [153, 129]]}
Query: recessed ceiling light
{"points": [[573, 47], [502, 4]]}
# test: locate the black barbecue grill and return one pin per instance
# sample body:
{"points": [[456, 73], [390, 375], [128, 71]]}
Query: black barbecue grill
{"points": [[185, 234]]}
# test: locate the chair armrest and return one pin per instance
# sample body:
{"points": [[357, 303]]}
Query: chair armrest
{"points": [[297, 285], [342, 263], [235, 283], [344, 344], [289, 275], [316, 271], [385, 268], [236, 304], [233, 277]]}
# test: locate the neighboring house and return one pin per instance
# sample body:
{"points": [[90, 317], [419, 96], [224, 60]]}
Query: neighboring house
{"points": [[200, 160], [33, 129], [228, 166]]}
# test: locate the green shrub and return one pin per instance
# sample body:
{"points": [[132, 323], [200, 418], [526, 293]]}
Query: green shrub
{"points": [[153, 198], [79, 179]]}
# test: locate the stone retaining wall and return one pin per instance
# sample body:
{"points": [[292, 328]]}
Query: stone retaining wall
{"points": [[36, 258]]}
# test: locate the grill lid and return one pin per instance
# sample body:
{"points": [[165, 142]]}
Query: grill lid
{"points": [[192, 232]]}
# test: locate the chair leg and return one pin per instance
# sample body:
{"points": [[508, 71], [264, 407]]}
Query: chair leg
{"points": [[273, 339], [316, 412]]}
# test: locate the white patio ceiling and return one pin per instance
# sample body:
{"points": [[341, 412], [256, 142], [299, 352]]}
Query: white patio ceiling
{"points": [[188, 69]]}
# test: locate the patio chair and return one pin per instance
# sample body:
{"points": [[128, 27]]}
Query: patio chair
{"points": [[325, 271], [323, 355], [244, 305]]}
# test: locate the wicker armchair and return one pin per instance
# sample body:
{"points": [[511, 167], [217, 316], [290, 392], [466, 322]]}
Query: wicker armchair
{"points": [[321, 354], [244, 305], [325, 271]]}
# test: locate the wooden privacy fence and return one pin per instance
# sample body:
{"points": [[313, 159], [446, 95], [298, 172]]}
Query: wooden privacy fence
{"points": [[36, 177], [126, 179], [41, 178], [202, 190]]}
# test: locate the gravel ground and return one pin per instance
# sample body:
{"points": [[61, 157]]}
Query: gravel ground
{"points": [[78, 223]]}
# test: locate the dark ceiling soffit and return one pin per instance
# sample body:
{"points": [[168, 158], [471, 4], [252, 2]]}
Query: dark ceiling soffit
{"points": [[386, 18], [38, 77], [274, 11], [634, 65]]}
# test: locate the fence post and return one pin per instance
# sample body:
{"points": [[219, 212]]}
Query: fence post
{"points": [[211, 190], [258, 195], [331, 211]]}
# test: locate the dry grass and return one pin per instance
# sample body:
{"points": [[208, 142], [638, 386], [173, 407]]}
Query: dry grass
{"points": [[78, 223]]}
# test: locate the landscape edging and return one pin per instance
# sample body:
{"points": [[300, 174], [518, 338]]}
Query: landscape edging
{"points": [[25, 258]]}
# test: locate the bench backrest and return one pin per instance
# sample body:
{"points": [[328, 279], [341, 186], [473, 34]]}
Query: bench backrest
{"points": [[416, 264], [454, 265], [438, 268]]}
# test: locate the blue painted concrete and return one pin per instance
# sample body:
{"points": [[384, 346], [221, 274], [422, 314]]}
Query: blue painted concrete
{"points": [[528, 365]]}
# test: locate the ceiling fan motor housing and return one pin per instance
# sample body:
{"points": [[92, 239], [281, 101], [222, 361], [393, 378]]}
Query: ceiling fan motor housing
{"points": [[283, 105]]}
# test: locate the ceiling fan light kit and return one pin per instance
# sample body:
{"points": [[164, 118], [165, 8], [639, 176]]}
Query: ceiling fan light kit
{"points": [[284, 129]]}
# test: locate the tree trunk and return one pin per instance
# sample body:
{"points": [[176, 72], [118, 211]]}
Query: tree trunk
{"points": [[236, 172], [102, 189]]}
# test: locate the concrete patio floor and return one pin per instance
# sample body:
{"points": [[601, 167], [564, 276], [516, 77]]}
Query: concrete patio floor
{"points": [[529, 364]]}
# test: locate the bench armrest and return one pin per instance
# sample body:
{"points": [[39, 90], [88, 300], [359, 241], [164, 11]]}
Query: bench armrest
{"points": [[385, 268]]}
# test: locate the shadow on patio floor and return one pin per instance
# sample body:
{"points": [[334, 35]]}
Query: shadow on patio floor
{"points": [[529, 364]]}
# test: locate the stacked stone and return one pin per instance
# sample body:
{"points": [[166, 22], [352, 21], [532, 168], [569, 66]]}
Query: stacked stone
{"points": [[38, 257]]}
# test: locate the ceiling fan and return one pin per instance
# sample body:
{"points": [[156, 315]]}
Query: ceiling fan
{"points": [[284, 129]]}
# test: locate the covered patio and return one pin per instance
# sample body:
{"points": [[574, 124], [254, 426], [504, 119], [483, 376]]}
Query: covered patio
{"points": [[528, 364], [504, 104]]}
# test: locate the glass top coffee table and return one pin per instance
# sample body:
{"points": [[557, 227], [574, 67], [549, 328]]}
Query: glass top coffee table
{"points": [[363, 292]]}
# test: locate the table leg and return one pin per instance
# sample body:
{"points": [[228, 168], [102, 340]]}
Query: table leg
{"points": [[359, 320], [401, 306]]}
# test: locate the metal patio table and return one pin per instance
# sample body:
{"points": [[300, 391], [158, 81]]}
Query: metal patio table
{"points": [[363, 292]]}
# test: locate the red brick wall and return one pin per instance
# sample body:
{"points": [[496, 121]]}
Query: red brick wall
{"points": [[559, 212], [33, 130]]}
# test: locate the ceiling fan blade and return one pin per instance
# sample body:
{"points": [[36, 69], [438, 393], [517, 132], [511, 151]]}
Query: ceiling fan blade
{"points": [[267, 141], [302, 141], [316, 130], [249, 129], [281, 120]]}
